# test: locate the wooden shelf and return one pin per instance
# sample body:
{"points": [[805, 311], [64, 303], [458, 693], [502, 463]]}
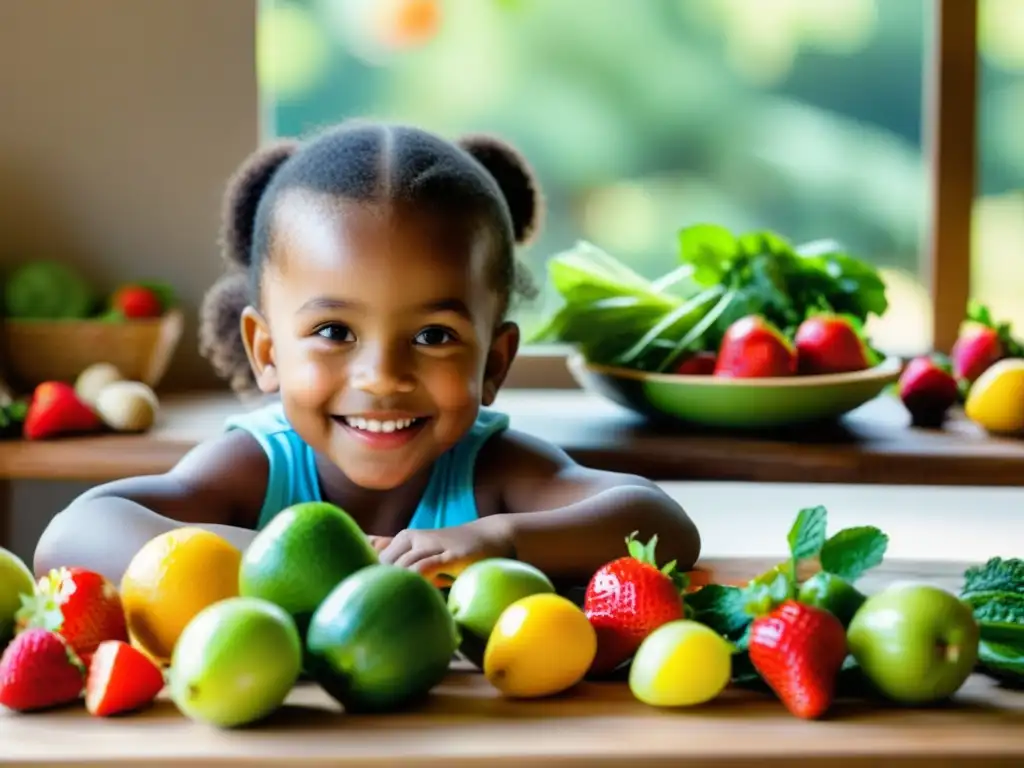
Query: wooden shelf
{"points": [[875, 444]]}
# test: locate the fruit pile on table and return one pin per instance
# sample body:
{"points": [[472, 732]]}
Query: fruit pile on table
{"points": [[229, 634], [101, 399], [984, 371]]}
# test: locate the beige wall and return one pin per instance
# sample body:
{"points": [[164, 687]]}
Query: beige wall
{"points": [[119, 123]]}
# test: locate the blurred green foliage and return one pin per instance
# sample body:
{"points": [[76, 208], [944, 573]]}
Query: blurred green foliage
{"points": [[802, 116]]}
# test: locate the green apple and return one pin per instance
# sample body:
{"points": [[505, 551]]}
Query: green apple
{"points": [[15, 580], [480, 594], [916, 643]]}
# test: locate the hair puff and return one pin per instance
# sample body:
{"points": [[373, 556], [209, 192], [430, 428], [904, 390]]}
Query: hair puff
{"points": [[515, 178], [242, 197], [220, 330]]}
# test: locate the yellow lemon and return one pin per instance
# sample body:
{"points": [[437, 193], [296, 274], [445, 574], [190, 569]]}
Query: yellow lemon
{"points": [[681, 663], [171, 579], [541, 645], [995, 401]]}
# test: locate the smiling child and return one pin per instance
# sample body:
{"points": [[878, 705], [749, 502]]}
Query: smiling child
{"points": [[373, 273]]}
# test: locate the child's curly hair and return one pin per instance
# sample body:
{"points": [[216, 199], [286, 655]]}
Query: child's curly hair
{"points": [[478, 176]]}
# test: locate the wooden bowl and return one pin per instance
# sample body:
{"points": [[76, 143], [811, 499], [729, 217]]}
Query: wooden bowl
{"points": [[34, 351]]}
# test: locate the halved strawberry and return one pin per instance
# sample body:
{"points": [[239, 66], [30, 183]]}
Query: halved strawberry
{"points": [[121, 679]]}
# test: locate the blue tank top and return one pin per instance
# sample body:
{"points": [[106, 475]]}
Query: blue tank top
{"points": [[448, 500]]}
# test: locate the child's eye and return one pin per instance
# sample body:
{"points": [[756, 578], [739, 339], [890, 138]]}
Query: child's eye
{"points": [[434, 336], [336, 332]]}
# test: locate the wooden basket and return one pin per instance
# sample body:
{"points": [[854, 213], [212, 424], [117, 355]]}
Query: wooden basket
{"points": [[34, 351]]}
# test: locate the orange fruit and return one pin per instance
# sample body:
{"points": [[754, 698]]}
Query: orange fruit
{"points": [[172, 578]]}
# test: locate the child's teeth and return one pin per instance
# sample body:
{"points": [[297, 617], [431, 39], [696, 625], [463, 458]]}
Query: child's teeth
{"points": [[374, 425]]}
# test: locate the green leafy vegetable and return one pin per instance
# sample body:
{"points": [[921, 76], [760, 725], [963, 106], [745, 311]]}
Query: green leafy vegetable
{"points": [[995, 593], [996, 575], [853, 551], [616, 317], [720, 607]]}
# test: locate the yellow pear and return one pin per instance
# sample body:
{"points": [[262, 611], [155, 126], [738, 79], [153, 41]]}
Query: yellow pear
{"points": [[996, 399]]}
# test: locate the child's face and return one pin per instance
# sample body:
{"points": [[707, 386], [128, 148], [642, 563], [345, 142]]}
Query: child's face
{"points": [[379, 329]]}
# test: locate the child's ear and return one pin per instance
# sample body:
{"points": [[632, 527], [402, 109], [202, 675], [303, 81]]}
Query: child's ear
{"points": [[503, 351], [259, 349]]}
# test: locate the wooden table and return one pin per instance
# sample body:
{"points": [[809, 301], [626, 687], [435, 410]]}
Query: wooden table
{"points": [[874, 444], [467, 723]]}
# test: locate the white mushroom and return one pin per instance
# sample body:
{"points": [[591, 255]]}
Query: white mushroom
{"points": [[93, 379], [127, 406]]}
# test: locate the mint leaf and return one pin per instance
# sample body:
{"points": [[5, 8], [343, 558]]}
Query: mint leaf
{"points": [[852, 551], [720, 607], [807, 536]]}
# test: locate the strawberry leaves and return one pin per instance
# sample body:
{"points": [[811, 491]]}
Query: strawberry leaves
{"points": [[645, 554]]}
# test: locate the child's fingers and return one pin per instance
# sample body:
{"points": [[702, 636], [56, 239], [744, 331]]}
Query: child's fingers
{"points": [[380, 542]]}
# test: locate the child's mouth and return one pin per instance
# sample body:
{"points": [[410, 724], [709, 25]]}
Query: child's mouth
{"points": [[382, 433]]}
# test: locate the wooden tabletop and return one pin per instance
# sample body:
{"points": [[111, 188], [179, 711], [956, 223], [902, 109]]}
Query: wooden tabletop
{"points": [[874, 444], [466, 722]]}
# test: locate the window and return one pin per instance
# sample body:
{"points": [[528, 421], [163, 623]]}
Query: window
{"points": [[795, 115]]}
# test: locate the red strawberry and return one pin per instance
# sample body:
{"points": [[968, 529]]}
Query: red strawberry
{"points": [[121, 678], [798, 650], [136, 301], [629, 598], [39, 670], [700, 364], [752, 348], [928, 391], [830, 344], [981, 345], [82, 605], [974, 352], [56, 410]]}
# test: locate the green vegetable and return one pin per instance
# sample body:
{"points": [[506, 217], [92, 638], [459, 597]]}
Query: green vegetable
{"points": [[12, 419], [844, 557], [47, 290], [995, 593], [616, 317]]}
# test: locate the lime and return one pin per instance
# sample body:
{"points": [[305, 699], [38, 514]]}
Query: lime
{"points": [[482, 591], [235, 662], [681, 663], [381, 640], [301, 555], [15, 580]]}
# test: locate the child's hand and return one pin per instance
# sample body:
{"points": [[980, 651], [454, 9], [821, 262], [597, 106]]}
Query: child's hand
{"points": [[427, 551]]}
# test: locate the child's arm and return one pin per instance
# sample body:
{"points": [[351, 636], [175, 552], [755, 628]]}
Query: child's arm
{"points": [[218, 486], [569, 520]]}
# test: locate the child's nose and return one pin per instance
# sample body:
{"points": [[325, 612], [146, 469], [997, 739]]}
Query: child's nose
{"points": [[381, 370]]}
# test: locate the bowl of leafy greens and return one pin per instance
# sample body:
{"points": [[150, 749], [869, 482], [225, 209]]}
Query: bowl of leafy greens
{"points": [[635, 339]]}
